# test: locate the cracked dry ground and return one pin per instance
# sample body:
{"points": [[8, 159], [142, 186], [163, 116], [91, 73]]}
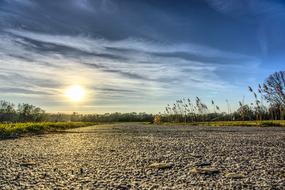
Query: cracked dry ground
{"points": [[138, 156]]}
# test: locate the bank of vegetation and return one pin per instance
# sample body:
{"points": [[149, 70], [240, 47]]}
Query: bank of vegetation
{"points": [[268, 107], [16, 129]]}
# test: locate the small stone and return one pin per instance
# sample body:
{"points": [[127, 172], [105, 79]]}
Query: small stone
{"points": [[123, 187], [203, 164], [161, 165], [205, 171], [156, 186], [17, 177], [27, 164], [234, 175], [45, 175], [195, 155]]}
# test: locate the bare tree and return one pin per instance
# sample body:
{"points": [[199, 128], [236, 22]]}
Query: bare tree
{"points": [[274, 91], [274, 88]]}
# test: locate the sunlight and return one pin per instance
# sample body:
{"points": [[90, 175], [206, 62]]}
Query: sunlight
{"points": [[75, 93]]}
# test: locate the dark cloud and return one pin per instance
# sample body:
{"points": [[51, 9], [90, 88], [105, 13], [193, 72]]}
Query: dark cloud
{"points": [[47, 47], [116, 71], [20, 79], [203, 58]]}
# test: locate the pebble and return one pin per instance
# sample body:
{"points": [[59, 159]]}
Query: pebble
{"points": [[205, 171], [234, 175], [161, 166]]}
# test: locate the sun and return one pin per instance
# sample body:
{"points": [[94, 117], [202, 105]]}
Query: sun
{"points": [[75, 93]]}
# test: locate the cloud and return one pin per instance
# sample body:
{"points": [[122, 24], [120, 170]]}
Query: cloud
{"points": [[132, 46], [128, 51], [128, 60], [22, 91], [117, 71]]}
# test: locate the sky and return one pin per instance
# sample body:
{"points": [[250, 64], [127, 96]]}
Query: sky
{"points": [[137, 55]]}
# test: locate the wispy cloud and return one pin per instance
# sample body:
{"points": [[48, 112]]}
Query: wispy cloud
{"points": [[36, 62]]}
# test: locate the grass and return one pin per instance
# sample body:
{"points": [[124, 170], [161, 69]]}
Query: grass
{"points": [[269, 123], [18, 129]]}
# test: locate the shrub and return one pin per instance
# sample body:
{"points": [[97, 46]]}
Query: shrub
{"points": [[157, 119]]}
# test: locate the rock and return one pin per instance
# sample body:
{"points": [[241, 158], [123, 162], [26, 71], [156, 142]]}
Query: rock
{"points": [[161, 165], [123, 186], [203, 164], [156, 186], [17, 177], [205, 171], [195, 155], [234, 175], [27, 164]]}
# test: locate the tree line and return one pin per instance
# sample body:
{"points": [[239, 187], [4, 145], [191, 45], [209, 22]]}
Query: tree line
{"points": [[22, 113], [10, 113]]}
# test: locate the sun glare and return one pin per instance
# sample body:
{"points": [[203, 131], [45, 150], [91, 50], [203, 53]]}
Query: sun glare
{"points": [[75, 93]]}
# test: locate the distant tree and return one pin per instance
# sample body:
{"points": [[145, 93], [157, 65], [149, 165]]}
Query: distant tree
{"points": [[30, 113], [75, 117], [245, 112], [274, 92], [58, 117], [7, 107], [274, 88], [7, 112]]}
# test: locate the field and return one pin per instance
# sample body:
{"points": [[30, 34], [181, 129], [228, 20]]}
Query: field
{"points": [[137, 156], [16, 129]]}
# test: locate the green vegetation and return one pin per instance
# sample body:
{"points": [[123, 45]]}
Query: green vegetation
{"points": [[269, 123], [16, 129]]}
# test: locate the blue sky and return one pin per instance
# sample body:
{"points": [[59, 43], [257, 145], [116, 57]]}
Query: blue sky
{"points": [[132, 55]]}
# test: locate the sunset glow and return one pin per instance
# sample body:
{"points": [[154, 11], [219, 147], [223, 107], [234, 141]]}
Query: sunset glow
{"points": [[75, 93]]}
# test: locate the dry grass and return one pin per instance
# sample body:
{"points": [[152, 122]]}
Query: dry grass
{"points": [[270, 123], [16, 129]]}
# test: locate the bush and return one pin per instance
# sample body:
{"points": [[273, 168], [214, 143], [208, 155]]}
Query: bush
{"points": [[157, 119]]}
